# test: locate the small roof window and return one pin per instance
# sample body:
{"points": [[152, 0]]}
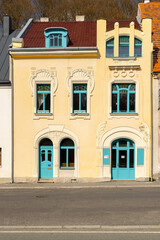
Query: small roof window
{"points": [[56, 37]]}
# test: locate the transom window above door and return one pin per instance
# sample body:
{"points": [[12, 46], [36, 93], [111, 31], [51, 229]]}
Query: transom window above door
{"points": [[43, 98], [123, 98], [79, 98]]}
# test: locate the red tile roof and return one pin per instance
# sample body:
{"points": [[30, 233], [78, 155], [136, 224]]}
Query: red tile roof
{"points": [[153, 10], [122, 23], [81, 34]]}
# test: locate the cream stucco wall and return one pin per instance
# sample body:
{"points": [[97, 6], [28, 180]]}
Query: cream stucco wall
{"points": [[90, 132]]}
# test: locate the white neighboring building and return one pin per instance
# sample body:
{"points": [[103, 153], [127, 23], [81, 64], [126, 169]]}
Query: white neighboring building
{"points": [[6, 35]]}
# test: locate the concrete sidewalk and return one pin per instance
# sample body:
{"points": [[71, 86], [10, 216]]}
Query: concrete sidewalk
{"points": [[112, 184]]}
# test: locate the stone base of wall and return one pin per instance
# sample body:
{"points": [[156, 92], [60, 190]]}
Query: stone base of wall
{"points": [[74, 180], [5, 180]]}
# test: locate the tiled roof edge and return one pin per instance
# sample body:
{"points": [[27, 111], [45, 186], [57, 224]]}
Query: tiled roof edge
{"points": [[25, 29]]}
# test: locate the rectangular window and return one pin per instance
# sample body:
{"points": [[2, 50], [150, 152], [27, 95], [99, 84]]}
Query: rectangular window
{"points": [[43, 98], [0, 156], [123, 46], [56, 40], [79, 98], [123, 98]]}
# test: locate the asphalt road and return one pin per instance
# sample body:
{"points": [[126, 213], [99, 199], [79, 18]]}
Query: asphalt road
{"points": [[93, 213]]}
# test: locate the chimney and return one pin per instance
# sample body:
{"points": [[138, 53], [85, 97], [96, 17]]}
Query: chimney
{"points": [[7, 25], [44, 19], [146, 1], [80, 18]]}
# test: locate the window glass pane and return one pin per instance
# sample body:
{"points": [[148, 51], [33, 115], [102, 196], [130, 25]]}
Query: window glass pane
{"points": [[124, 51], [132, 102], [80, 87], [51, 42], [123, 101], [109, 51], [60, 42], [137, 41], [137, 51], [75, 101], [43, 87], [40, 101], [43, 155], [67, 142], [63, 158], [46, 142], [131, 160], [49, 155], [122, 159], [122, 143], [114, 102], [124, 39], [84, 101], [130, 144], [133, 87], [114, 87], [55, 42], [70, 157], [47, 102], [113, 158]]}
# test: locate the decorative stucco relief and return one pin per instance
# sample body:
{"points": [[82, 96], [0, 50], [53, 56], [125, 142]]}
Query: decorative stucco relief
{"points": [[144, 128], [43, 75], [123, 73], [100, 131], [80, 75]]}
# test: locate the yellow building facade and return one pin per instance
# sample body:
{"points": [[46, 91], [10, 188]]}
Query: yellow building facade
{"points": [[82, 113]]}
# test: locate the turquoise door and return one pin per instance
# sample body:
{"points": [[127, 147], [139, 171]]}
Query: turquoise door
{"points": [[123, 160], [46, 162]]}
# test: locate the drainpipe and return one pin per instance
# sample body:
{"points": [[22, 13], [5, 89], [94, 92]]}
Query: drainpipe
{"points": [[151, 117], [11, 78]]}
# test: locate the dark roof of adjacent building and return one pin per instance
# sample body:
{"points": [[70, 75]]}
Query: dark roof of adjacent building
{"points": [[5, 41], [152, 10]]}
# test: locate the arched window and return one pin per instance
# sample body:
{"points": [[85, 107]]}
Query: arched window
{"points": [[67, 153], [124, 46], [110, 48], [123, 98], [137, 47]]}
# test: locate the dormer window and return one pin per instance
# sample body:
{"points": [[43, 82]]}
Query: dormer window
{"points": [[56, 37], [56, 40]]}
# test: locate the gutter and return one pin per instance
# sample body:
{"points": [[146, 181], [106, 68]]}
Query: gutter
{"points": [[152, 116], [12, 142], [53, 49]]}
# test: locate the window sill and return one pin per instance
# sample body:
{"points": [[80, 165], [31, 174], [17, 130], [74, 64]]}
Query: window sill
{"points": [[80, 116], [124, 115], [124, 58], [67, 168], [43, 115]]}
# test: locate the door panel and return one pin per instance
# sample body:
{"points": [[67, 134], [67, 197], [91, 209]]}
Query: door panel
{"points": [[123, 166], [46, 162]]}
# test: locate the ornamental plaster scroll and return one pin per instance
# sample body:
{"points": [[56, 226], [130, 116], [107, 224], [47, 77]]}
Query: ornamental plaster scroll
{"points": [[44, 75], [144, 128], [100, 131], [80, 75]]}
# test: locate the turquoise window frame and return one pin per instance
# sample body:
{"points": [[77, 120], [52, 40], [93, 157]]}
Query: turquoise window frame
{"points": [[52, 33], [79, 92], [123, 44], [67, 154], [43, 92], [117, 92], [139, 44], [109, 44]]}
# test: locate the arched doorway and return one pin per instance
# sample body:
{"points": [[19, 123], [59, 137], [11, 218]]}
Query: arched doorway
{"points": [[67, 154], [123, 159], [46, 159]]}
